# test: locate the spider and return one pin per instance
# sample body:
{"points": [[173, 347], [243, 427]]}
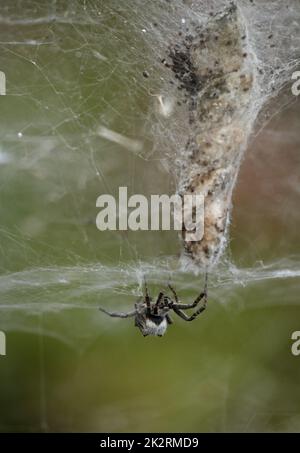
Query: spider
{"points": [[152, 318]]}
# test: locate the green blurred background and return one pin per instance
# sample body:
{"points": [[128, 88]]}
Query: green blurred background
{"points": [[70, 68]]}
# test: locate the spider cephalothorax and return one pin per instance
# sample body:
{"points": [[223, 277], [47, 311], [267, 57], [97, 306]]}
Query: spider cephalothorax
{"points": [[152, 318]]}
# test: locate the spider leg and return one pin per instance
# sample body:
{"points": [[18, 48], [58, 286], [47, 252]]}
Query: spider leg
{"points": [[184, 316], [205, 287], [159, 298], [147, 298], [114, 314], [197, 300], [169, 319], [193, 304], [203, 295], [168, 303], [174, 293]]}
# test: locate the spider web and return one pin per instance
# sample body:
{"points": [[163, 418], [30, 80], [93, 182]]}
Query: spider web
{"points": [[90, 71]]}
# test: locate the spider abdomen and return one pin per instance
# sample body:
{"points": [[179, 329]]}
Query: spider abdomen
{"points": [[151, 324], [155, 327]]}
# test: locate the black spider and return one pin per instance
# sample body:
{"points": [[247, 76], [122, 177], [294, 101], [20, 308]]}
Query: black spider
{"points": [[152, 318]]}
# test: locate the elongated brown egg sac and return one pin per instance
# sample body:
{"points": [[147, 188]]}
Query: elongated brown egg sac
{"points": [[216, 74]]}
